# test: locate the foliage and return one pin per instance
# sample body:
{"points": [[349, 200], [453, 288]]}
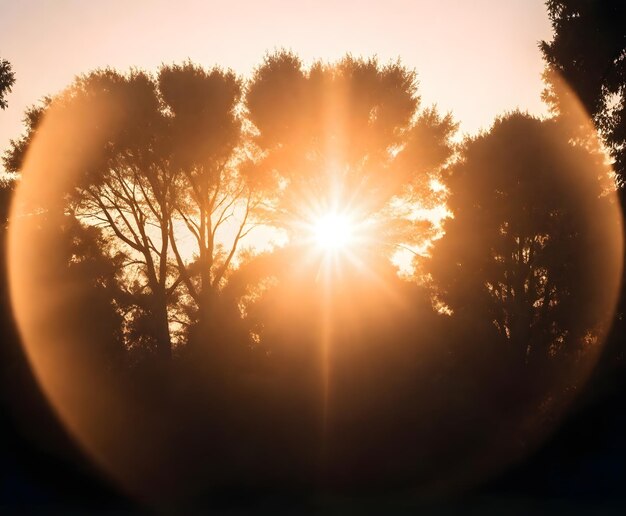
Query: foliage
{"points": [[588, 51], [163, 162], [7, 80], [347, 136], [530, 220], [148, 187]]}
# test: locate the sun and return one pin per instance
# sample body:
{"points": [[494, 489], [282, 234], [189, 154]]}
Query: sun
{"points": [[333, 231]]}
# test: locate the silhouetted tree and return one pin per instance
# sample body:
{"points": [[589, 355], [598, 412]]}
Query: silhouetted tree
{"points": [[331, 363], [349, 137], [215, 200], [524, 260], [166, 164], [7, 79], [10, 339], [589, 52], [81, 262], [78, 258], [124, 188]]}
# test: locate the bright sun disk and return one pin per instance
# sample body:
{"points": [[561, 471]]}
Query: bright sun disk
{"points": [[332, 231]]}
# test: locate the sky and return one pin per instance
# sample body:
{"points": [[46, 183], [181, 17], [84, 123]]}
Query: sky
{"points": [[475, 58]]}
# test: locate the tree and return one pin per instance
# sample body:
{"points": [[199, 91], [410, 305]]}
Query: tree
{"points": [[161, 162], [349, 137], [530, 258], [588, 51], [206, 150], [526, 279], [179, 165], [7, 79]]}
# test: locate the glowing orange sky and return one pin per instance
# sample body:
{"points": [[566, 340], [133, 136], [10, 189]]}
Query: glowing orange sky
{"points": [[476, 58]]}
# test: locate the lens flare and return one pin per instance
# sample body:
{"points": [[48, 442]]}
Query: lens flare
{"points": [[333, 231], [134, 435]]}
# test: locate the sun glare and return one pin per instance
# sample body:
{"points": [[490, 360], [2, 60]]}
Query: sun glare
{"points": [[333, 231]]}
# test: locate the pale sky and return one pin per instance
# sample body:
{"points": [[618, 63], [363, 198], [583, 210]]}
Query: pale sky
{"points": [[475, 58]]}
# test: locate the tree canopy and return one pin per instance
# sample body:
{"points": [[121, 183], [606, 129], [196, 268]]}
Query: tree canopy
{"points": [[530, 217], [7, 79], [205, 349], [164, 166], [588, 52], [182, 164], [348, 136]]}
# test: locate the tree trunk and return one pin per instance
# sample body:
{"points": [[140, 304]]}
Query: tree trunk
{"points": [[161, 327]]}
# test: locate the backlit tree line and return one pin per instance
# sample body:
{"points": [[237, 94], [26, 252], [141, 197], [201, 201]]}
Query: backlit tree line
{"points": [[509, 290]]}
